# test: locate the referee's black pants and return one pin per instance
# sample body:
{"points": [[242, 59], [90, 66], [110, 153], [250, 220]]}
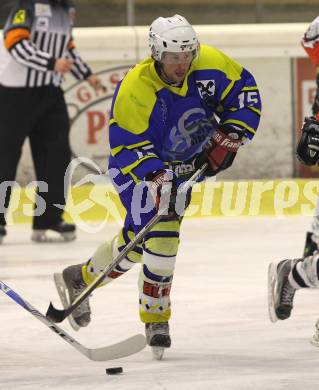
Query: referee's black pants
{"points": [[39, 113]]}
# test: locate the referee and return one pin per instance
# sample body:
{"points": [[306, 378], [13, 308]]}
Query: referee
{"points": [[38, 50]]}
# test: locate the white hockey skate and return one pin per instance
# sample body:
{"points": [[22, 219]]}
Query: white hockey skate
{"points": [[158, 338], [62, 232], [158, 352], [315, 338], [280, 291], [69, 286]]}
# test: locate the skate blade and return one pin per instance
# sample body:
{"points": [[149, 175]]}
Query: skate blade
{"points": [[62, 291], [45, 236], [272, 281], [158, 352]]}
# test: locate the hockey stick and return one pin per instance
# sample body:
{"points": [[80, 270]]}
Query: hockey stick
{"points": [[56, 315], [119, 350]]}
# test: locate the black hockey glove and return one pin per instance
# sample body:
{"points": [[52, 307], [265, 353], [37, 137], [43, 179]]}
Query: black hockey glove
{"points": [[308, 146], [220, 151]]}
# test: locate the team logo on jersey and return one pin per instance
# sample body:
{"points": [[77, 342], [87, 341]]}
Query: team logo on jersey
{"points": [[42, 10], [190, 130], [182, 168], [89, 113], [19, 17], [206, 88]]}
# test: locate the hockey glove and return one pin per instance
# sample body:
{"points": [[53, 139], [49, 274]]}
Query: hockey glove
{"points": [[164, 190], [220, 151], [308, 146], [162, 186]]}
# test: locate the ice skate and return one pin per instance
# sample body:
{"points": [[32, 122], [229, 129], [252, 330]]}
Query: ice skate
{"points": [[310, 245], [280, 291], [3, 232], [70, 284], [61, 232], [158, 338], [315, 338]]}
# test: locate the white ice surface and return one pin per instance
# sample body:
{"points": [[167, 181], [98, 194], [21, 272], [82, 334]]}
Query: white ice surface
{"points": [[222, 338]]}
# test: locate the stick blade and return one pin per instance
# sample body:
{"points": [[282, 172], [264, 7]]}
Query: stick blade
{"points": [[119, 350], [55, 315]]}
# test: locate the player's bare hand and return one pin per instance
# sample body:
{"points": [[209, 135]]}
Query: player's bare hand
{"points": [[95, 82], [63, 65]]}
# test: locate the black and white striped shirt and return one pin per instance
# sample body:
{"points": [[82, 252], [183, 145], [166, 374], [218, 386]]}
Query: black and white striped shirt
{"points": [[37, 33]]}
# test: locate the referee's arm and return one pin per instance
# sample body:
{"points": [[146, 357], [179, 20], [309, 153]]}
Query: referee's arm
{"points": [[80, 69], [17, 41]]}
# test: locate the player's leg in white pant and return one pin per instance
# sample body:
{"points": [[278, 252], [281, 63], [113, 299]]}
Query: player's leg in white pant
{"points": [[312, 237], [74, 279]]}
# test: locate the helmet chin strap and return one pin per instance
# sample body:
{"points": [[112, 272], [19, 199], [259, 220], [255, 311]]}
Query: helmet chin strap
{"points": [[164, 77]]}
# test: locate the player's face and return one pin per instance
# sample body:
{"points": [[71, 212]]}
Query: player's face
{"points": [[176, 65]]}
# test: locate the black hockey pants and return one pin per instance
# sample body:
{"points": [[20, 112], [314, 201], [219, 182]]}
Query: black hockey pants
{"points": [[41, 115]]}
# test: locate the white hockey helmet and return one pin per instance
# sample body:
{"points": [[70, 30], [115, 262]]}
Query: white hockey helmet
{"points": [[173, 35]]}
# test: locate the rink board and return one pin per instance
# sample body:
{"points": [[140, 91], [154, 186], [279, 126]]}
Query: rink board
{"points": [[218, 199]]}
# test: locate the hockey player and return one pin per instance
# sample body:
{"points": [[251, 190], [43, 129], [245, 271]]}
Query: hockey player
{"points": [[310, 43], [36, 52], [288, 276], [184, 105]]}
